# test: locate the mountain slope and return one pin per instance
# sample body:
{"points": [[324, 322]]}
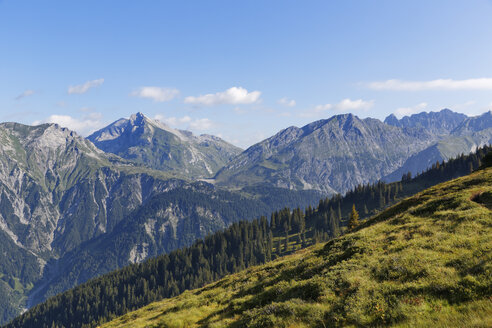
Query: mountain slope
{"points": [[423, 262], [153, 144], [166, 222], [332, 155], [474, 124], [59, 190]]}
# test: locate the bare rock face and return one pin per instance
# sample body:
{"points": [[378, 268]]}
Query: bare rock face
{"points": [[151, 143], [59, 190]]}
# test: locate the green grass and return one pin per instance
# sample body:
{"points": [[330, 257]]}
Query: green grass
{"points": [[425, 262]]}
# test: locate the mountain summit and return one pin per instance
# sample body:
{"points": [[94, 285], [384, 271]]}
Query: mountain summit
{"points": [[149, 142], [437, 123], [332, 155]]}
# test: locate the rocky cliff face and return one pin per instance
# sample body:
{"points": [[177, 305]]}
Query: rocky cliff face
{"points": [[58, 190], [151, 143], [331, 155]]}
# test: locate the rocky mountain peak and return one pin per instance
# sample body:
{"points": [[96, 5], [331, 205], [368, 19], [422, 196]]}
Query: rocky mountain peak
{"points": [[474, 124], [152, 143], [392, 120], [137, 119], [436, 123], [48, 136]]}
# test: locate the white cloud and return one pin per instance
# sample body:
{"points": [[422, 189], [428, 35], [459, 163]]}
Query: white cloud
{"points": [[232, 96], [83, 88], [287, 102], [353, 105], [156, 93], [239, 110], [83, 126], [186, 122], [404, 111], [25, 94], [464, 107], [439, 84], [201, 124], [322, 108], [173, 121], [346, 105]]}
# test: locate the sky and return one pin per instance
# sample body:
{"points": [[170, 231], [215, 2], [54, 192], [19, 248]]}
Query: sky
{"points": [[241, 70]]}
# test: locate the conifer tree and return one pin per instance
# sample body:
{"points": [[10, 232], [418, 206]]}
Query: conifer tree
{"points": [[382, 201], [354, 219], [334, 225]]}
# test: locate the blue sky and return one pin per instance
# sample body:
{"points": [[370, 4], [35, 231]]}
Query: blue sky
{"points": [[242, 70]]}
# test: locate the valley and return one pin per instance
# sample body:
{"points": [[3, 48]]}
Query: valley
{"points": [[71, 211]]}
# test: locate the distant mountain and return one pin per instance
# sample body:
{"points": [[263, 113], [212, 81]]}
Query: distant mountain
{"points": [[437, 123], [337, 154], [474, 124], [151, 143], [465, 137], [62, 200], [331, 156], [57, 190]]}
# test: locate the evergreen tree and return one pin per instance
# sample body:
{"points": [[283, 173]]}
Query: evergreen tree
{"points": [[353, 219], [286, 242], [334, 225]]}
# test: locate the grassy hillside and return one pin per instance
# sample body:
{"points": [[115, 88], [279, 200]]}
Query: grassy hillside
{"points": [[426, 261]]}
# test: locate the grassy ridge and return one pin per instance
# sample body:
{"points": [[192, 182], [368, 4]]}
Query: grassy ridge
{"points": [[426, 261]]}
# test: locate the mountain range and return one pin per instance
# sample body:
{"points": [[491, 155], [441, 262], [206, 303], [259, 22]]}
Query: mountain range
{"points": [[73, 208], [61, 195], [337, 154], [464, 135]]}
